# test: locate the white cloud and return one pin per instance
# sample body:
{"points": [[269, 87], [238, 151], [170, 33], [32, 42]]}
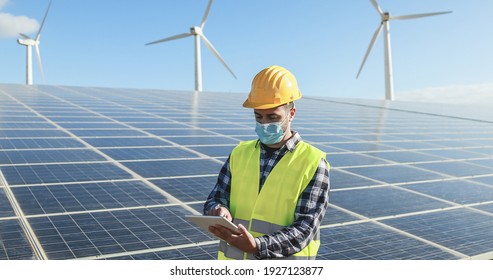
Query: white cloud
{"points": [[12, 25], [3, 3], [477, 94]]}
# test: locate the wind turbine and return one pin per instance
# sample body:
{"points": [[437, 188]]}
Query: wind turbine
{"points": [[386, 17], [197, 31], [29, 42]]}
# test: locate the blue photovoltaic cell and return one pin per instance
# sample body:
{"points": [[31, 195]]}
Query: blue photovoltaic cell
{"points": [[395, 174], [19, 125], [382, 202], [484, 151], [179, 132], [453, 154], [485, 180], [457, 168], [347, 160], [4, 133], [131, 120], [100, 233], [84, 197], [484, 162], [197, 206], [84, 125], [457, 191], [369, 137], [125, 142], [486, 207], [334, 216], [235, 131], [216, 124], [404, 157], [359, 147], [462, 230], [5, 208], [368, 241], [107, 132], [89, 118], [33, 118], [207, 252], [451, 143], [414, 136], [340, 180], [148, 153], [156, 125], [411, 144], [326, 148], [214, 151], [39, 143], [166, 168], [204, 140], [188, 189], [324, 138], [14, 245], [40, 156], [62, 173]]}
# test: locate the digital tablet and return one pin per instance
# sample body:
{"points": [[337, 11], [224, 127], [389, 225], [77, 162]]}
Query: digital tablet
{"points": [[205, 221]]}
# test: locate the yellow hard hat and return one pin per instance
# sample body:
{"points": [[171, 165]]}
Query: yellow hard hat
{"points": [[272, 87]]}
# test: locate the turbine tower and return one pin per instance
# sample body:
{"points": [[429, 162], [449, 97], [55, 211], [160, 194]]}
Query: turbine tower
{"points": [[197, 31], [29, 43], [386, 17]]}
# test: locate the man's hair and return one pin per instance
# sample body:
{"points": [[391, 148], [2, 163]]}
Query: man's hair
{"points": [[289, 106]]}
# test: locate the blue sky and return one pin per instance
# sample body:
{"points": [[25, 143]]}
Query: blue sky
{"points": [[101, 43]]}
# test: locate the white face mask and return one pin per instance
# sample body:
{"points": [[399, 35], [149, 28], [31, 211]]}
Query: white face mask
{"points": [[270, 133]]}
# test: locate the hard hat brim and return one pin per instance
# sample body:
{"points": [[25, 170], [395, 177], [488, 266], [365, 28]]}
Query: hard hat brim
{"points": [[248, 104]]}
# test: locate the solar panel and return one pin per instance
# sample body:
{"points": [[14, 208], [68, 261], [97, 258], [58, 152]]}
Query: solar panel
{"points": [[14, 245], [101, 173]]}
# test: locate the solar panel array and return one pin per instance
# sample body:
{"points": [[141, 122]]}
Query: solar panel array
{"points": [[98, 173]]}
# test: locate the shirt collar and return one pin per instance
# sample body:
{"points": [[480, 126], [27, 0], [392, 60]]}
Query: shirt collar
{"points": [[293, 141]]}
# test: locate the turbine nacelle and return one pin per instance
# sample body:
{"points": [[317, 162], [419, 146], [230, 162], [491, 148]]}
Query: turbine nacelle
{"points": [[384, 25], [385, 16], [27, 42], [196, 30]]}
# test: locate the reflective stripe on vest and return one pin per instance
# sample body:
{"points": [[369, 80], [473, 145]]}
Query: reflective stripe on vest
{"points": [[273, 208]]}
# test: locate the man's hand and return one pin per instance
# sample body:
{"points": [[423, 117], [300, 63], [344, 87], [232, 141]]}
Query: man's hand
{"points": [[221, 211], [243, 241]]}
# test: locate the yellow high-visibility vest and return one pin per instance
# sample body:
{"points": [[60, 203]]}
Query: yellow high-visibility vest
{"points": [[273, 208]]}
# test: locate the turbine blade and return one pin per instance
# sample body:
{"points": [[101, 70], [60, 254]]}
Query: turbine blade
{"points": [[179, 36], [206, 14], [375, 4], [24, 36], [214, 51], [43, 22], [419, 15], [38, 56], [370, 47]]}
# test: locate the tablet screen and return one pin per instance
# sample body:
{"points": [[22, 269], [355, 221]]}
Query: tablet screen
{"points": [[205, 221]]}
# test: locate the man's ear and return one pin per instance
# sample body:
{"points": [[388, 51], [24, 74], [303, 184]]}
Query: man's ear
{"points": [[292, 112]]}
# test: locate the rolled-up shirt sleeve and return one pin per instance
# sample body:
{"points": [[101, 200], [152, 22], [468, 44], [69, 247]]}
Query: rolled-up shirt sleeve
{"points": [[221, 192]]}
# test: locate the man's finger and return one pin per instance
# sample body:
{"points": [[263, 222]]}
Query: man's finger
{"points": [[242, 229]]}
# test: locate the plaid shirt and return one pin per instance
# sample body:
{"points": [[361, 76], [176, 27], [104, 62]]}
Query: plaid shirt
{"points": [[309, 212]]}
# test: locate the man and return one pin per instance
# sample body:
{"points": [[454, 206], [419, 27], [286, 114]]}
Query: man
{"points": [[275, 188]]}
